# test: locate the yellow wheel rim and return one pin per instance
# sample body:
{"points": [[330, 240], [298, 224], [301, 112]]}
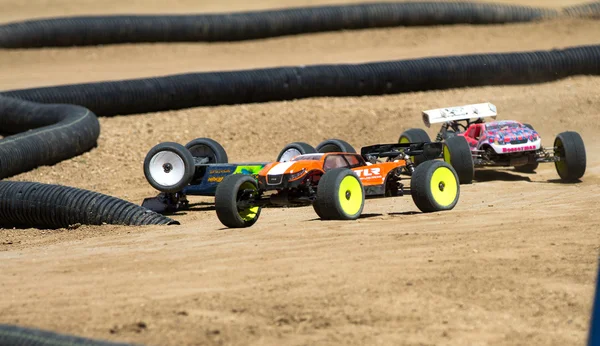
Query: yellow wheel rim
{"points": [[447, 154], [248, 214], [561, 165], [350, 195], [444, 186]]}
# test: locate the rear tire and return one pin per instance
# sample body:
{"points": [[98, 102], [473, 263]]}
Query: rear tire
{"points": [[207, 148], [415, 135], [450, 134], [228, 195], [169, 167], [571, 150], [294, 149], [457, 153], [340, 195], [434, 186], [335, 146]]}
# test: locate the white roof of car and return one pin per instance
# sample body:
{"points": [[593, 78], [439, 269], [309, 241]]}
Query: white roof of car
{"points": [[474, 111]]}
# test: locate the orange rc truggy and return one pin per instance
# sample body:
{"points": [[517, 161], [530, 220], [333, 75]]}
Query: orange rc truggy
{"points": [[337, 183]]}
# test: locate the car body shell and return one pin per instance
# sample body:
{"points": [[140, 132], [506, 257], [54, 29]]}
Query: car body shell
{"points": [[292, 174], [505, 137], [214, 173]]}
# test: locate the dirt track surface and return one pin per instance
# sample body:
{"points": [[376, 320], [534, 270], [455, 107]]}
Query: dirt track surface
{"points": [[513, 263]]}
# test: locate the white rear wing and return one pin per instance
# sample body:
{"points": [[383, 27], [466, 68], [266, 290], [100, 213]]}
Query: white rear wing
{"points": [[442, 115]]}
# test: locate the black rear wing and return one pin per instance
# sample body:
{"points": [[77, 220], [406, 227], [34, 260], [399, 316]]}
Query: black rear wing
{"points": [[430, 150]]}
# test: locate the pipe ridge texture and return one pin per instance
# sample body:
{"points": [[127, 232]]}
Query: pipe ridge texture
{"points": [[50, 134], [286, 83], [589, 10], [59, 133], [29, 204], [114, 29], [14, 335]]}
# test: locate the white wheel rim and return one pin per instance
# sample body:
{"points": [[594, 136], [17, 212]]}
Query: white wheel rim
{"points": [[167, 168], [289, 154]]}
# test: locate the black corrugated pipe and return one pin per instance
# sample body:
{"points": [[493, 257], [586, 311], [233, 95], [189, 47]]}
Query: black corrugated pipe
{"points": [[286, 83], [24, 204], [50, 134], [20, 336], [58, 132], [96, 30], [589, 10]]}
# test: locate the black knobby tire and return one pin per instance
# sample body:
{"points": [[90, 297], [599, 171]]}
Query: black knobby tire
{"points": [[169, 167], [432, 175], [415, 135], [450, 134], [227, 196], [457, 152], [208, 148], [571, 150], [293, 149], [328, 204], [335, 146]]}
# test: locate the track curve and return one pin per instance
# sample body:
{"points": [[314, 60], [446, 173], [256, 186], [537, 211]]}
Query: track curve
{"points": [[45, 135], [286, 83], [569, 64], [83, 31]]}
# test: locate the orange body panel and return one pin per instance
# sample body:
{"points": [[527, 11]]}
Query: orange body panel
{"points": [[375, 174], [369, 174]]}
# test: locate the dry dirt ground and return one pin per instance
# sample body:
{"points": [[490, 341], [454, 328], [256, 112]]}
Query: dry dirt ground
{"points": [[513, 264]]}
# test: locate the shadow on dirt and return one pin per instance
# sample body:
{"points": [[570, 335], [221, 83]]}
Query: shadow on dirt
{"points": [[201, 206], [362, 216], [210, 206], [494, 175], [559, 181], [404, 213]]}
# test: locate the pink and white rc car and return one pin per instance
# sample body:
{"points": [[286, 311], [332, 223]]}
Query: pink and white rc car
{"points": [[470, 142]]}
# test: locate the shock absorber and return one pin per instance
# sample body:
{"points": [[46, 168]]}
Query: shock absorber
{"points": [[410, 166], [440, 135]]}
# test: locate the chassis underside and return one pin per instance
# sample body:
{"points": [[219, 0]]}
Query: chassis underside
{"points": [[306, 194], [488, 157]]}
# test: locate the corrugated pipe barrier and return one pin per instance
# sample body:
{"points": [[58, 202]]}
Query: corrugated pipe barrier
{"points": [[287, 83], [19, 336], [96, 30], [48, 135]]}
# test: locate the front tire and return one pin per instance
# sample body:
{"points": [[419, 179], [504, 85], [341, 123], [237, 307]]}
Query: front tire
{"points": [[569, 147], [340, 195], [169, 167], [457, 153], [434, 186], [230, 192]]}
